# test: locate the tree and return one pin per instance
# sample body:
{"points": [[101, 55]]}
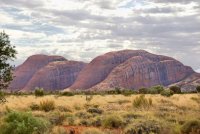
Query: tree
{"points": [[143, 90], [7, 54], [156, 89], [175, 89], [198, 89]]}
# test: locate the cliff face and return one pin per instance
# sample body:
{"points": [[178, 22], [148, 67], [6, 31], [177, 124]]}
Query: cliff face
{"points": [[24, 72], [130, 69], [55, 75]]}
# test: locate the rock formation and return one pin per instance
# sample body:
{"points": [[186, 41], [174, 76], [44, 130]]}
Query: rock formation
{"points": [[189, 83], [50, 68], [55, 76], [132, 70], [129, 69], [24, 72]]}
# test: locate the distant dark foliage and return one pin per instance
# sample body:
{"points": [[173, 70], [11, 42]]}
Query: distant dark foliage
{"points": [[175, 89]]}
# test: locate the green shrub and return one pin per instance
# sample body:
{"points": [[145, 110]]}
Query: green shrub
{"points": [[84, 122], [1, 93], [117, 90], [88, 98], [167, 93], [97, 122], [57, 118], [198, 89], [64, 108], [127, 92], [92, 131], [67, 93], [83, 115], [156, 89], [112, 121], [196, 99], [95, 110], [175, 89], [146, 127], [142, 102], [34, 106], [47, 105], [143, 90], [192, 127], [39, 92], [2, 97], [71, 120], [23, 123]]}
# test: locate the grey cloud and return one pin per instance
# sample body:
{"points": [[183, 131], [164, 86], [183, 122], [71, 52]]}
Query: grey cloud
{"points": [[163, 10], [174, 35], [22, 3], [176, 1]]}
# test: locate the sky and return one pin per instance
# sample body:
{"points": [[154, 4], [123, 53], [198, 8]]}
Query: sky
{"points": [[84, 29]]}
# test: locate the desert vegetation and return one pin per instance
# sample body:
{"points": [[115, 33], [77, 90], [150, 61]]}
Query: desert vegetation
{"points": [[112, 112]]}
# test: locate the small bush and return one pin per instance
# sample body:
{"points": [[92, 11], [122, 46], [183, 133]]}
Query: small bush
{"points": [[112, 121], [196, 99], [39, 92], [167, 93], [156, 89], [83, 115], [192, 127], [147, 127], [23, 123], [71, 120], [2, 97], [175, 89], [198, 89], [143, 90], [95, 110], [117, 90], [47, 105], [34, 106], [84, 122], [1, 93], [67, 93], [77, 106], [88, 98], [92, 131], [127, 92], [142, 102], [57, 118], [97, 122], [64, 108]]}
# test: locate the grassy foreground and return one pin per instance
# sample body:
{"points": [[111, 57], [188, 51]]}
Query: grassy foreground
{"points": [[107, 114]]}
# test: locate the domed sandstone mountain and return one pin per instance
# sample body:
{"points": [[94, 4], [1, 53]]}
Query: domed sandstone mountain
{"points": [[131, 69]]}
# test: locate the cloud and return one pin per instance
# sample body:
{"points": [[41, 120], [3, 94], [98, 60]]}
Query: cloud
{"points": [[198, 70], [22, 3], [83, 29]]}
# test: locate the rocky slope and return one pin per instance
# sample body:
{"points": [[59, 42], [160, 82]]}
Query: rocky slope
{"points": [[189, 83], [130, 69], [26, 73]]}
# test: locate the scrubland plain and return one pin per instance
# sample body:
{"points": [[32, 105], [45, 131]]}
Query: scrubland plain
{"points": [[110, 114]]}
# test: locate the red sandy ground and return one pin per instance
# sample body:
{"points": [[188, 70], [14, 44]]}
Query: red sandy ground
{"points": [[79, 129]]}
